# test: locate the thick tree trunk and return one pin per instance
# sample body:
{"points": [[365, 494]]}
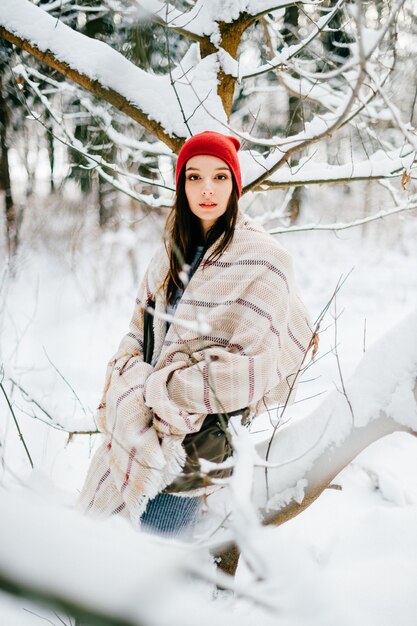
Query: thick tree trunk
{"points": [[335, 39], [5, 183], [51, 151], [107, 198]]}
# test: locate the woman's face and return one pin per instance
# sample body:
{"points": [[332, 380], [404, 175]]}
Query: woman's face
{"points": [[208, 185]]}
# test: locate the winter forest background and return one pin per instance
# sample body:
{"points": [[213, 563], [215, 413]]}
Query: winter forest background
{"points": [[96, 98]]}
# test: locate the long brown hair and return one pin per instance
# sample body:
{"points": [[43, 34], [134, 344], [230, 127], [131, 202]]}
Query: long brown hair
{"points": [[183, 232]]}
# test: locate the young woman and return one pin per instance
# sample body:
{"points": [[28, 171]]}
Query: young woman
{"points": [[230, 333]]}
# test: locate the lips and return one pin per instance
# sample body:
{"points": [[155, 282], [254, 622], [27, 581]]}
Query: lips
{"points": [[207, 204]]}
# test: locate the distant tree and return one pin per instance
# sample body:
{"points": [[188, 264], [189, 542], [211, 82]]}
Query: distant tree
{"points": [[11, 122]]}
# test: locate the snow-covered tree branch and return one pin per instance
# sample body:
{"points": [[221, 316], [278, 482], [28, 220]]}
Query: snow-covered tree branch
{"points": [[200, 88], [301, 459]]}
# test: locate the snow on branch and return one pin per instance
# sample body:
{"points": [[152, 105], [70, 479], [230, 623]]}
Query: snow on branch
{"points": [[204, 18], [329, 97], [52, 6], [367, 43], [409, 205], [195, 96], [108, 171], [99, 112], [301, 458], [62, 4], [258, 8], [382, 392], [289, 52], [146, 98], [320, 127], [379, 165], [90, 571], [315, 130], [318, 93], [163, 13]]}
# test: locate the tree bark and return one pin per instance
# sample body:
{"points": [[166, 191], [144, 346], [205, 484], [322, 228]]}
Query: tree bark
{"points": [[5, 183], [338, 430], [45, 597], [96, 88], [326, 467]]}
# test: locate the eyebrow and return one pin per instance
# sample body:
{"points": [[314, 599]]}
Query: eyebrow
{"points": [[216, 169]]}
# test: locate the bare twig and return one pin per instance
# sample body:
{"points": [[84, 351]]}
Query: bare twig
{"points": [[315, 334], [339, 368], [58, 427], [29, 398], [325, 76], [97, 163], [270, 8], [288, 53], [66, 382], [364, 335], [299, 144], [14, 417], [181, 30], [406, 206], [46, 619], [94, 86], [172, 81]]}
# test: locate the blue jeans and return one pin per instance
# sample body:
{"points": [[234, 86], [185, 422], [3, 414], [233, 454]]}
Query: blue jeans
{"points": [[171, 516]]}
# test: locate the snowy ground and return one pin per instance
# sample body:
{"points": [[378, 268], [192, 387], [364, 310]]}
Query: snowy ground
{"points": [[350, 559]]}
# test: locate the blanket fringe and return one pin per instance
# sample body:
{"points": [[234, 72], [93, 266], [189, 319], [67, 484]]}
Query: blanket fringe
{"points": [[175, 456]]}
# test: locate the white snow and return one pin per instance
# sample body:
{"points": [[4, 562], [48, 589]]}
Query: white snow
{"points": [[346, 542], [107, 567], [152, 94], [290, 51], [350, 558], [380, 163], [204, 16]]}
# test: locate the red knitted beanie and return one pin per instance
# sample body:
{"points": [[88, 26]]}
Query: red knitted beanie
{"points": [[215, 144]]}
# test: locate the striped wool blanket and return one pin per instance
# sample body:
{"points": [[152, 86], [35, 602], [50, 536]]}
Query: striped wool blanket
{"points": [[239, 336]]}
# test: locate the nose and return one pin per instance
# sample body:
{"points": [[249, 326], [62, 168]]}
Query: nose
{"points": [[207, 189]]}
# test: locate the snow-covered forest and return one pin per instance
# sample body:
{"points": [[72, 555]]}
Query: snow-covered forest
{"points": [[317, 525]]}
